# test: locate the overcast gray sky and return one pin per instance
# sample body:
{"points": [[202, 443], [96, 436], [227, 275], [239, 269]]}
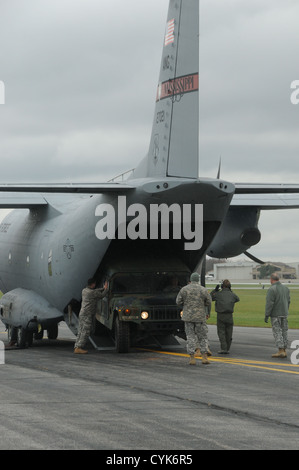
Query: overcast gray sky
{"points": [[80, 81]]}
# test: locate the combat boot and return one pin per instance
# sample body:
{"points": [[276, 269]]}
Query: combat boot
{"points": [[205, 359], [197, 353], [80, 351], [280, 353], [192, 361]]}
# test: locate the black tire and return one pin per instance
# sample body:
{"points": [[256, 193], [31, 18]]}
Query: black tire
{"points": [[122, 336], [39, 335], [29, 338], [53, 332], [22, 337], [12, 333]]}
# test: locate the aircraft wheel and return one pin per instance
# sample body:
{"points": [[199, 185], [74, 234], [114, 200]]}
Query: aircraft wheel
{"points": [[12, 333], [122, 336], [53, 332], [39, 335], [29, 338], [22, 338]]}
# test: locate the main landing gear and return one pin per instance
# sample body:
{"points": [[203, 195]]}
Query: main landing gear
{"points": [[23, 338]]}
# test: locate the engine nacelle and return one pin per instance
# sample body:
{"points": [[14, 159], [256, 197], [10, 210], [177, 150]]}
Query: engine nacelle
{"points": [[237, 233], [24, 308]]}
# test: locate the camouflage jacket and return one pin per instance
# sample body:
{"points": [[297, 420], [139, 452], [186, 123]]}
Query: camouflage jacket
{"points": [[89, 300], [196, 302], [277, 301]]}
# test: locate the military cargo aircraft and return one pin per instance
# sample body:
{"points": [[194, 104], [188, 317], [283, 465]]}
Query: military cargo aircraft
{"points": [[144, 234]]}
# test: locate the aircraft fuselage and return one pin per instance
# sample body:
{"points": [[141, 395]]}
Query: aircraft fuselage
{"points": [[53, 250]]}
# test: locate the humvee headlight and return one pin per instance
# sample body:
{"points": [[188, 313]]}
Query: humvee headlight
{"points": [[144, 315], [181, 313]]}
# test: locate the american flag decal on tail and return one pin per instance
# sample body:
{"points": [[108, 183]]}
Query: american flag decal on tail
{"points": [[169, 36]]}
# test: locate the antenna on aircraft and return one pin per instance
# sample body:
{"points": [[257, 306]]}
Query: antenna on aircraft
{"points": [[254, 258], [219, 168]]}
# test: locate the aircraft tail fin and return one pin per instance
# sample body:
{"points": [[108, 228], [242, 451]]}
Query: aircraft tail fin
{"points": [[173, 149]]}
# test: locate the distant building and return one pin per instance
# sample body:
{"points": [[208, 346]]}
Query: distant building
{"points": [[296, 267], [249, 270], [241, 270], [264, 271]]}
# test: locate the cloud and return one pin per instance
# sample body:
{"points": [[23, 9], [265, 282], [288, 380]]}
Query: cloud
{"points": [[75, 71], [248, 59]]}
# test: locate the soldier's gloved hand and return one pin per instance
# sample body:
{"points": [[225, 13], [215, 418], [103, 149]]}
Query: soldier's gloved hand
{"points": [[266, 319], [217, 287]]}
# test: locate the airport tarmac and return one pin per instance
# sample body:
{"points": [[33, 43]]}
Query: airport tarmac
{"points": [[149, 399]]}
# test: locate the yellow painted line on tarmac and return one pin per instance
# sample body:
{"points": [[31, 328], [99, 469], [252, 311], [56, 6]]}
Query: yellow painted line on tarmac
{"points": [[255, 366], [249, 361], [241, 362]]}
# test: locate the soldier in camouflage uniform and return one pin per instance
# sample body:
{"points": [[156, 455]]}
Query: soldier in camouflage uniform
{"points": [[195, 299], [277, 307], [90, 296]]}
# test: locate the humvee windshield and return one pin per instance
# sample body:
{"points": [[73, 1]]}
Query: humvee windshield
{"points": [[148, 283]]}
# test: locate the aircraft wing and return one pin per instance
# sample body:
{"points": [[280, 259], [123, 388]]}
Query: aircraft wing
{"points": [[266, 196], [14, 196], [21, 201], [263, 196]]}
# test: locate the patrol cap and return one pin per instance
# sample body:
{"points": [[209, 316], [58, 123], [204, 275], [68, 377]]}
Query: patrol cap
{"points": [[194, 277]]}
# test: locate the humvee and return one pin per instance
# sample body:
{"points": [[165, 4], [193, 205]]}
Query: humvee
{"points": [[141, 304]]}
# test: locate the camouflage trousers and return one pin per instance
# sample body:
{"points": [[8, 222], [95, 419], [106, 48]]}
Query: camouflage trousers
{"points": [[280, 331], [197, 337], [84, 330]]}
